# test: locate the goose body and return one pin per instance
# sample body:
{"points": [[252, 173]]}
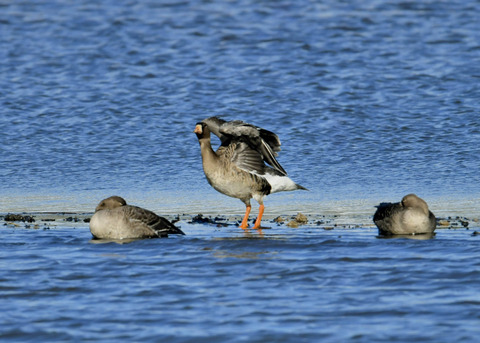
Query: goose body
{"points": [[409, 217], [239, 166], [114, 219]]}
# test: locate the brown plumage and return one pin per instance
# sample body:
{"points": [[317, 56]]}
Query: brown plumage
{"points": [[409, 217], [114, 219], [238, 167]]}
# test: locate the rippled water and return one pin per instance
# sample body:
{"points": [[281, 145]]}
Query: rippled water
{"points": [[371, 99], [217, 285]]}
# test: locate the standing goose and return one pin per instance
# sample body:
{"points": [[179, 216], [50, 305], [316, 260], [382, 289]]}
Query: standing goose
{"points": [[238, 168], [409, 217], [114, 219]]}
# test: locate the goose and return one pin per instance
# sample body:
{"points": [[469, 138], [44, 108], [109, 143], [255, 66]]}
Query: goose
{"points": [[114, 219], [409, 217], [239, 166]]}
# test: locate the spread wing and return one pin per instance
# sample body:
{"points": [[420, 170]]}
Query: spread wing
{"points": [[246, 158], [262, 143]]}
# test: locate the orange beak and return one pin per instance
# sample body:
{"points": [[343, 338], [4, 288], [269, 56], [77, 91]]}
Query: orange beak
{"points": [[198, 129]]}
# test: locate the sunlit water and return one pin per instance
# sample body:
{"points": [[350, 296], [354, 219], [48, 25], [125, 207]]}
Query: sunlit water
{"points": [[217, 285], [371, 100]]}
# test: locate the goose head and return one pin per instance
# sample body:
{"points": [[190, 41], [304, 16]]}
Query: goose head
{"points": [[110, 203], [202, 130]]}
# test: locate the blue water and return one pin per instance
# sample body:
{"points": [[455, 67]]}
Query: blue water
{"points": [[286, 286], [371, 100], [224, 286]]}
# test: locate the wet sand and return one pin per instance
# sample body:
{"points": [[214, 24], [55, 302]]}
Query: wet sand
{"points": [[75, 210], [50, 220]]}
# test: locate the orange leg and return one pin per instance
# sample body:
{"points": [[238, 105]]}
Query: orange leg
{"points": [[244, 224], [259, 218]]}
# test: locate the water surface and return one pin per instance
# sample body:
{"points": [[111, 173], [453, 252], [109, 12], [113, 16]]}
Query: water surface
{"points": [[371, 99], [216, 285]]}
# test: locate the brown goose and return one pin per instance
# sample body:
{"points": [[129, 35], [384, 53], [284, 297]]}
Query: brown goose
{"points": [[409, 217], [114, 219], [238, 168]]}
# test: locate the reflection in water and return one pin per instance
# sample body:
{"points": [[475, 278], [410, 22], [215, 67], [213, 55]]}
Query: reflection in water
{"points": [[253, 235], [250, 234], [244, 254], [113, 255], [421, 236], [118, 241]]}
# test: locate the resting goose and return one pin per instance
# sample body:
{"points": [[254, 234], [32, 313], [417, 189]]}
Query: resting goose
{"points": [[408, 217], [114, 219], [238, 168]]}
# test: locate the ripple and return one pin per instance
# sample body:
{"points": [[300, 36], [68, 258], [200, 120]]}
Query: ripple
{"points": [[372, 100]]}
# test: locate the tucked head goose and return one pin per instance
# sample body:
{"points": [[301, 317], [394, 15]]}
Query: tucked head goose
{"points": [[238, 168], [114, 219], [410, 216]]}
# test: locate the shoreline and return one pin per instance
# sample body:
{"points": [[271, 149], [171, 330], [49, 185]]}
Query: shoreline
{"points": [[287, 203], [74, 210], [47, 220]]}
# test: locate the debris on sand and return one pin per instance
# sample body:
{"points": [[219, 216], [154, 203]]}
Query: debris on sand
{"points": [[18, 218], [300, 219], [293, 224], [72, 219], [200, 219], [455, 223]]}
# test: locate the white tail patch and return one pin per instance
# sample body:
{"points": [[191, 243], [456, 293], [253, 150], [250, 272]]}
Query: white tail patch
{"points": [[280, 183]]}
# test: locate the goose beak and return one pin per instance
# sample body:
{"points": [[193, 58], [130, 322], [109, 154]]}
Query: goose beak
{"points": [[198, 129]]}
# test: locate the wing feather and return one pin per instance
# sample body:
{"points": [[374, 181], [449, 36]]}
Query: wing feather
{"points": [[247, 159], [265, 143], [159, 225]]}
